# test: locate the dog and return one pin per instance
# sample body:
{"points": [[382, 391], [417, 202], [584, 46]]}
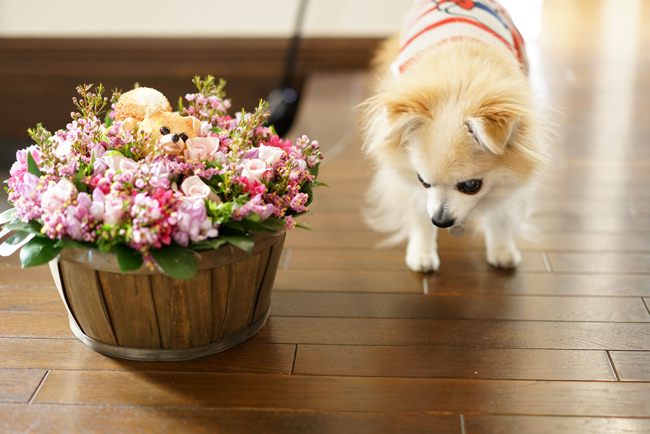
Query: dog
{"points": [[454, 131]]}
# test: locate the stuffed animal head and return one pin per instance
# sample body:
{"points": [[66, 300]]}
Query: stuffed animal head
{"points": [[132, 105], [171, 130]]}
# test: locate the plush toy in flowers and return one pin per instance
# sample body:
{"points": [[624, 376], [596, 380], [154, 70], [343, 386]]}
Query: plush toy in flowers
{"points": [[152, 185]]}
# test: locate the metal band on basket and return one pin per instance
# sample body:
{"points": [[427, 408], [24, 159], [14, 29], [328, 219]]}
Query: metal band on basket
{"points": [[169, 355]]}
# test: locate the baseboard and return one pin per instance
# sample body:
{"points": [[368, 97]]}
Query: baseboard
{"points": [[38, 76]]}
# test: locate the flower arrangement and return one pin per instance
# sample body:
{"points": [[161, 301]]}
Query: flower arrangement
{"points": [[99, 185]]}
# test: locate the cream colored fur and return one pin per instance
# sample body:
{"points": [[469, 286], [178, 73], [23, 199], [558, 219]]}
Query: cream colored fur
{"points": [[464, 111]]}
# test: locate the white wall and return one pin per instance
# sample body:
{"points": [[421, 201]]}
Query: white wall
{"points": [[198, 18]]}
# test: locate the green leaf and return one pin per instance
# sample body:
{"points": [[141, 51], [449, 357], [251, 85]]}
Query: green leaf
{"points": [[314, 170], [32, 226], [274, 222], [7, 216], [32, 167], [39, 251], [235, 225], [320, 184], [4, 232], [250, 226], [242, 242], [213, 243], [307, 189], [108, 120], [302, 226], [15, 242], [128, 258], [79, 176], [252, 217], [176, 261], [77, 244]]}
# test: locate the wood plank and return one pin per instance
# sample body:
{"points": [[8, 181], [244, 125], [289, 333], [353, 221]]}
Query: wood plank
{"points": [[12, 274], [19, 385], [266, 279], [183, 309], [21, 418], [549, 241], [632, 365], [600, 262], [72, 354], [529, 308], [129, 297], [478, 424], [35, 325], [539, 284], [31, 298], [457, 333], [354, 280], [242, 296], [84, 294], [371, 361], [394, 259], [346, 393]]}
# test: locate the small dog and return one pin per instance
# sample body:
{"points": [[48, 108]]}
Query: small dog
{"points": [[454, 131]]}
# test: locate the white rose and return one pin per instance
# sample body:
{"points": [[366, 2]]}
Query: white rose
{"points": [[195, 189], [64, 150], [254, 169], [270, 154], [201, 148], [54, 197], [117, 161]]}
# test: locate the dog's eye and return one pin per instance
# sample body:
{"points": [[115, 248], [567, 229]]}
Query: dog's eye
{"points": [[422, 181], [470, 187], [183, 136], [164, 131]]}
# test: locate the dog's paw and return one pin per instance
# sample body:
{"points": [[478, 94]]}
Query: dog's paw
{"points": [[506, 258], [423, 262]]}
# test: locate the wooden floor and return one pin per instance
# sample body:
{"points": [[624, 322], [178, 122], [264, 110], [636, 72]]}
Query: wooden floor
{"points": [[359, 344]]}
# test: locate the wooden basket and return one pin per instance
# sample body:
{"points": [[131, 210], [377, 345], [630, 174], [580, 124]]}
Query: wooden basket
{"points": [[146, 315]]}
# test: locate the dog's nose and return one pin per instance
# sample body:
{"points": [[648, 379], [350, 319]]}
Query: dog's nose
{"points": [[175, 138], [441, 219], [443, 223]]}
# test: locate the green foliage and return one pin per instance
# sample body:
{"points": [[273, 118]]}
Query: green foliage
{"points": [[32, 167], [127, 258], [39, 251], [7, 216], [176, 261], [15, 242], [89, 104], [240, 241]]}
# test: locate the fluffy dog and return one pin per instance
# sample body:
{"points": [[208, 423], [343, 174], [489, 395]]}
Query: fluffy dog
{"points": [[454, 131]]}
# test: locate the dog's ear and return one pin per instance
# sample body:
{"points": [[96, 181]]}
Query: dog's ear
{"points": [[492, 130], [403, 115]]}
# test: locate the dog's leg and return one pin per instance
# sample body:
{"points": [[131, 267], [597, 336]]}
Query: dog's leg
{"points": [[502, 251], [422, 248]]}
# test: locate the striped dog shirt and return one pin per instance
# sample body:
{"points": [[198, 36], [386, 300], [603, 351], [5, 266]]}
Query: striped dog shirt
{"points": [[430, 23]]}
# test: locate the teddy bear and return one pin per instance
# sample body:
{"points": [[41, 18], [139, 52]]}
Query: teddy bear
{"points": [[132, 106], [171, 130]]}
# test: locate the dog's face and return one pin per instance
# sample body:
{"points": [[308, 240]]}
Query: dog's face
{"points": [[459, 161]]}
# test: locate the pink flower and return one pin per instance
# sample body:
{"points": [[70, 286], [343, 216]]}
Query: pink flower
{"points": [[54, 197], [254, 169], [116, 161], [195, 189], [270, 154], [113, 209], [97, 206], [201, 148]]}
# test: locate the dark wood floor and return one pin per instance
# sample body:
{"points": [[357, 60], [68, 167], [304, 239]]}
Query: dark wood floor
{"points": [[358, 344]]}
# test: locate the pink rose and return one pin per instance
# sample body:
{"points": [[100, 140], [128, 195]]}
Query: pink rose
{"points": [[201, 148], [195, 189], [54, 197], [113, 209], [270, 154], [254, 169], [117, 161]]}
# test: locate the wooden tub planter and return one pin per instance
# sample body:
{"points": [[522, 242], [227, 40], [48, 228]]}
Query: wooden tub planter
{"points": [[147, 315]]}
